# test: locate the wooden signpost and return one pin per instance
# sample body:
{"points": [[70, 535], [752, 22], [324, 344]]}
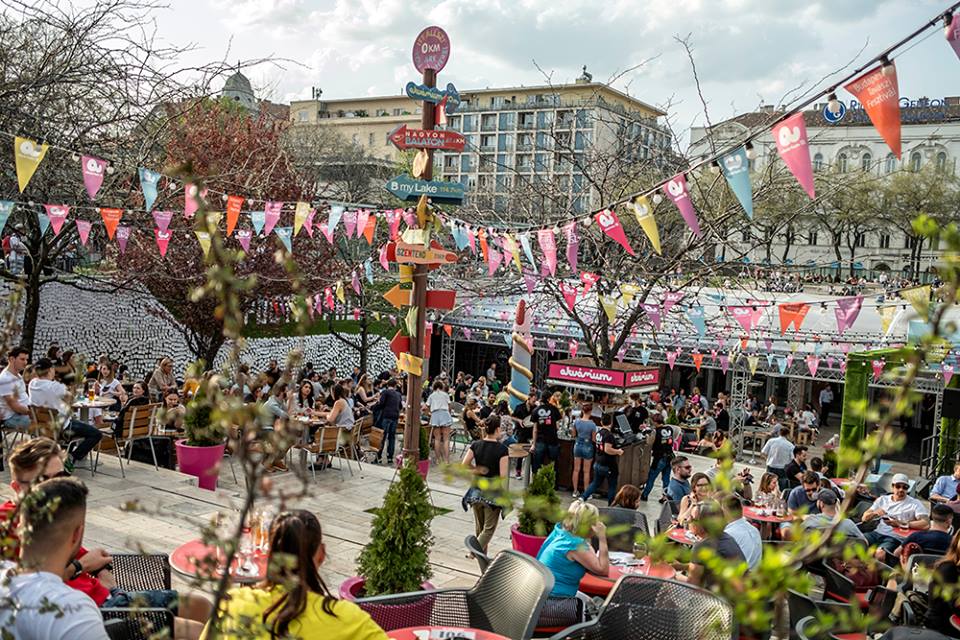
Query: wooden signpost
{"points": [[450, 97], [404, 138], [406, 188], [440, 299]]}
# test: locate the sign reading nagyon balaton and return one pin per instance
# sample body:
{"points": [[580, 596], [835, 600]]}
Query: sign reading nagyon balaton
{"points": [[407, 188], [435, 95]]}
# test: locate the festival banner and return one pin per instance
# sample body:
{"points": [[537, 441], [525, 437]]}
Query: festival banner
{"points": [[953, 34], [6, 208], [369, 229], [191, 199], [111, 217], [123, 234], [83, 230], [258, 219], [676, 190], [747, 315], [362, 216], [886, 313], [573, 244], [328, 298], [609, 305], [653, 313], [588, 279], [847, 311], [234, 205], [43, 220], [243, 237], [408, 217], [671, 298], [27, 156], [203, 238], [271, 216], [58, 215], [527, 249], [548, 245], [350, 218], [300, 213], [697, 318], [813, 363], [149, 180], [645, 356], [919, 299], [644, 215], [286, 236], [610, 224], [569, 294], [792, 314], [162, 219], [93, 170], [736, 169], [163, 239], [879, 94], [790, 137]]}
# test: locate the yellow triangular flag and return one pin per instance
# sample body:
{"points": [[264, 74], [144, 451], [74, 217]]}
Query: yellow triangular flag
{"points": [[376, 316], [610, 307], [919, 299], [214, 218], [628, 290], [644, 214], [422, 207], [411, 322], [411, 364], [340, 294], [204, 239], [794, 346], [753, 361], [886, 316], [511, 245], [27, 157], [419, 165], [300, 214]]}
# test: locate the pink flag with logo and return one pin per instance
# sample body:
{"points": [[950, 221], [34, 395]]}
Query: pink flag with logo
{"points": [[350, 222], [271, 216], [123, 234], [790, 137], [573, 244], [83, 229], [847, 311], [671, 298], [610, 224], [383, 258], [529, 281], [163, 239], [393, 221], [362, 216], [308, 222], [813, 363], [58, 215], [947, 371], [326, 230], [494, 263], [551, 345], [953, 34], [243, 236], [548, 244], [162, 219], [671, 359], [653, 312], [746, 315], [355, 282], [472, 241], [676, 190], [93, 171], [328, 298], [724, 362], [877, 366], [191, 199], [572, 347], [409, 218], [588, 279], [569, 294]]}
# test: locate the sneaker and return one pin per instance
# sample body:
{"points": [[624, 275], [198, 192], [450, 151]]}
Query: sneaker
{"points": [[644, 498], [576, 494], [518, 475], [69, 464]]}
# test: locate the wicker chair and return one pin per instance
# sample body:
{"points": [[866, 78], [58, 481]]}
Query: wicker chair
{"points": [[626, 524], [642, 608], [473, 547], [507, 600]]}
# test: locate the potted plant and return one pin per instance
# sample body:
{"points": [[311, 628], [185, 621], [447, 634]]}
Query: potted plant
{"points": [[538, 514], [397, 558], [200, 452], [423, 464]]}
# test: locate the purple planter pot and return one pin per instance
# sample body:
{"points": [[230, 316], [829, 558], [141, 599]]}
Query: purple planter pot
{"points": [[423, 466], [352, 588], [524, 543], [201, 462]]}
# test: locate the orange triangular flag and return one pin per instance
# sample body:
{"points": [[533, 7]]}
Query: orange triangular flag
{"points": [[879, 94], [234, 204], [448, 329], [370, 229], [111, 218]]}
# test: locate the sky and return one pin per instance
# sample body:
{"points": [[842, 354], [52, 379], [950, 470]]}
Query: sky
{"points": [[747, 52]]}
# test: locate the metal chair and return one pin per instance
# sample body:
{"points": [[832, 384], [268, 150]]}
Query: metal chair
{"points": [[665, 519], [642, 608], [371, 439], [805, 629], [507, 600], [841, 588], [137, 623], [138, 424], [919, 562], [141, 572], [473, 547], [325, 444], [625, 525], [802, 606]]}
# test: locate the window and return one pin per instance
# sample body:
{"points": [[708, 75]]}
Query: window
{"points": [[544, 119], [496, 102], [488, 122], [397, 111], [745, 236], [507, 121], [581, 140], [891, 164], [370, 139], [487, 142], [941, 162], [860, 240], [866, 161], [884, 240], [302, 116], [468, 163], [818, 162], [469, 124], [842, 163], [812, 238], [505, 142], [915, 161]]}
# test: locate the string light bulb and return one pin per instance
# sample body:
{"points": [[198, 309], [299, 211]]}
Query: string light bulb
{"points": [[947, 24], [714, 167], [887, 67], [833, 104], [751, 152], [657, 198]]}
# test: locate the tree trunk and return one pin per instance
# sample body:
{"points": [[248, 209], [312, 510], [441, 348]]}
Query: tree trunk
{"points": [[364, 343], [31, 311], [212, 349]]}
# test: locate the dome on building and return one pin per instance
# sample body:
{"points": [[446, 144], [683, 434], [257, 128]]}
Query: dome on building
{"points": [[238, 88]]}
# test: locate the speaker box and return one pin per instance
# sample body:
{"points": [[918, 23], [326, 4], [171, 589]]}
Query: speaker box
{"points": [[951, 403]]}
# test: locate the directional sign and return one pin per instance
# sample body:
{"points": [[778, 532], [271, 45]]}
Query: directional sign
{"points": [[404, 138], [435, 95], [419, 254], [431, 49], [441, 299], [401, 344], [407, 188]]}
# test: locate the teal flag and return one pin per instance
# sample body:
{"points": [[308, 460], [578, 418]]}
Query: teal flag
{"points": [[44, 221], [258, 219], [736, 169], [285, 234], [6, 208], [148, 183]]}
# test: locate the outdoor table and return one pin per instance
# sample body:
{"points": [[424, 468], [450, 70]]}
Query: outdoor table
{"points": [[594, 585], [515, 451], [955, 622], [437, 632], [85, 404], [904, 532], [764, 515], [682, 536], [188, 558], [855, 635]]}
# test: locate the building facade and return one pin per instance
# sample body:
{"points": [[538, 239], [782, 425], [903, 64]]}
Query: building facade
{"points": [[843, 143]]}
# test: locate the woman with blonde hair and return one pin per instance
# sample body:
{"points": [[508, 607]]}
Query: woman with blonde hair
{"points": [[567, 552]]}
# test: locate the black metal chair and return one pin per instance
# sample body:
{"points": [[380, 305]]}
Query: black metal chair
{"points": [[665, 519], [842, 588], [507, 600], [138, 624], [642, 608], [141, 572], [473, 546], [802, 606], [625, 525], [919, 562]]}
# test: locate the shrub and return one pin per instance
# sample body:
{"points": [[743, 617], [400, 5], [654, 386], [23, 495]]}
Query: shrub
{"points": [[541, 504]]}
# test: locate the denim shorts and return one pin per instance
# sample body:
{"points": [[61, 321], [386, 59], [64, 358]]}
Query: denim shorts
{"points": [[154, 599], [583, 449]]}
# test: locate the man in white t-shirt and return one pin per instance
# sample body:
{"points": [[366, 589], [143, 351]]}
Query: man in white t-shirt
{"points": [[826, 402], [896, 511], [14, 402], [40, 606], [779, 452], [47, 392]]}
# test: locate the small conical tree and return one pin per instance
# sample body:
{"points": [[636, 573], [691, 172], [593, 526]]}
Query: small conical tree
{"points": [[541, 504], [397, 558]]}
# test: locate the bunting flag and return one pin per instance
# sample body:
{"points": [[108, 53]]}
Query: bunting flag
{"points": [[747, 315], [753, 362], [628, 291], [813, 363], [886, 313], [191, 199], [163, 239], [368, 270], [149, 180], [363, 215], [43, 220], [736, 169], [243, 237], [328, 298], [123, 234], [573, 244], [286, 236], [671, 359], [271, 216], [609, 307], [393, 221], [341, 294], [258, 219], [411, 322], [214, 218], [671, 298], [879, 94], [572, 347], [369, 229], [770, 357], [6, 208], [697, 318], [333, 217], [529, 281], [93, 170], [548, 245], [947, 370], [609, 223], [792, 314], [676, 190], [527, 249], [383, 258], [588, 279], [509, 244], [111, 218], [300, 214], [877, 366], [551, 345], [645, 356], [782, 364], [697, 358], [653, 313], [350, 218], [57, 213], [569, 294], [484, 247], [203, 238], [408, 216], [494, 263], [27, 156], [952, 32], [643, 212], [919, 299], [162, 219], [790, 137], [308, 222], [847, 310], [234, 205], [724, 362], [355, 282], [83, 230], [472, 240]]}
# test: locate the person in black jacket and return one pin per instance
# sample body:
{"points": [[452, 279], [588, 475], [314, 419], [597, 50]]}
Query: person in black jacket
{"points": [[943, 592], [387, 409]]}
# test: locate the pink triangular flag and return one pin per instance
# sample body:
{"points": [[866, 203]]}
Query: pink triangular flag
{"points": [[671, 359], [529, 281], [308, 222], [573, 244], [676, 189], [243, 237], [467, 333], [830, 361], [588, 279], [271, 216], [58, 215], [947, 371], [724, 362], [350, 222], [162, 219], [362, 216], [789, 360], [548, 244], [671, 298], [355, 281], [813, 363], [393, 220], [551, 345], [494, 263], [843, 366], [383, 258], [123, 234], [609, 223], [790, 137], [653, 312], [409, 218], [569, 294], [847, 311], [877, 366], [93, 170], [326, 231], [472, 240], [191, 199], [163, 239], [83, 230], [572, 347]]}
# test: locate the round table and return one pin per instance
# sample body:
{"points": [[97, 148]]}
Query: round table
{"points": [[764, 515], [85, 404], [593, 585], [903, 532], [521, 451], [955, 622], [855, 635], [682, 536], [431, 633], [190, 559]]}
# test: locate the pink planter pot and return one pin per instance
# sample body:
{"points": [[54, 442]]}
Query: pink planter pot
{"points": [[201, 462], [352, 588], [423, 466], [524, 543]]}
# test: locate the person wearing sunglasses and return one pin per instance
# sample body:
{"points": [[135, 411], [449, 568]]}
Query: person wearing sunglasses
{"points": [[895, 511]]}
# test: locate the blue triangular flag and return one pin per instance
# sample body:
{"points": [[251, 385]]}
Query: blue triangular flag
{"points": [[782, 364], [769, 359], [44, 222], [148, 182], [258, 219], [368, 270], [285, 234], [6, 208], [336, 212], [645, 355], [736, 169], [527, 251], [696, 317]]}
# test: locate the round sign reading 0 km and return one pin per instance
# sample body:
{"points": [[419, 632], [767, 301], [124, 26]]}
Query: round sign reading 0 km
{"points": [[431, 49]]}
